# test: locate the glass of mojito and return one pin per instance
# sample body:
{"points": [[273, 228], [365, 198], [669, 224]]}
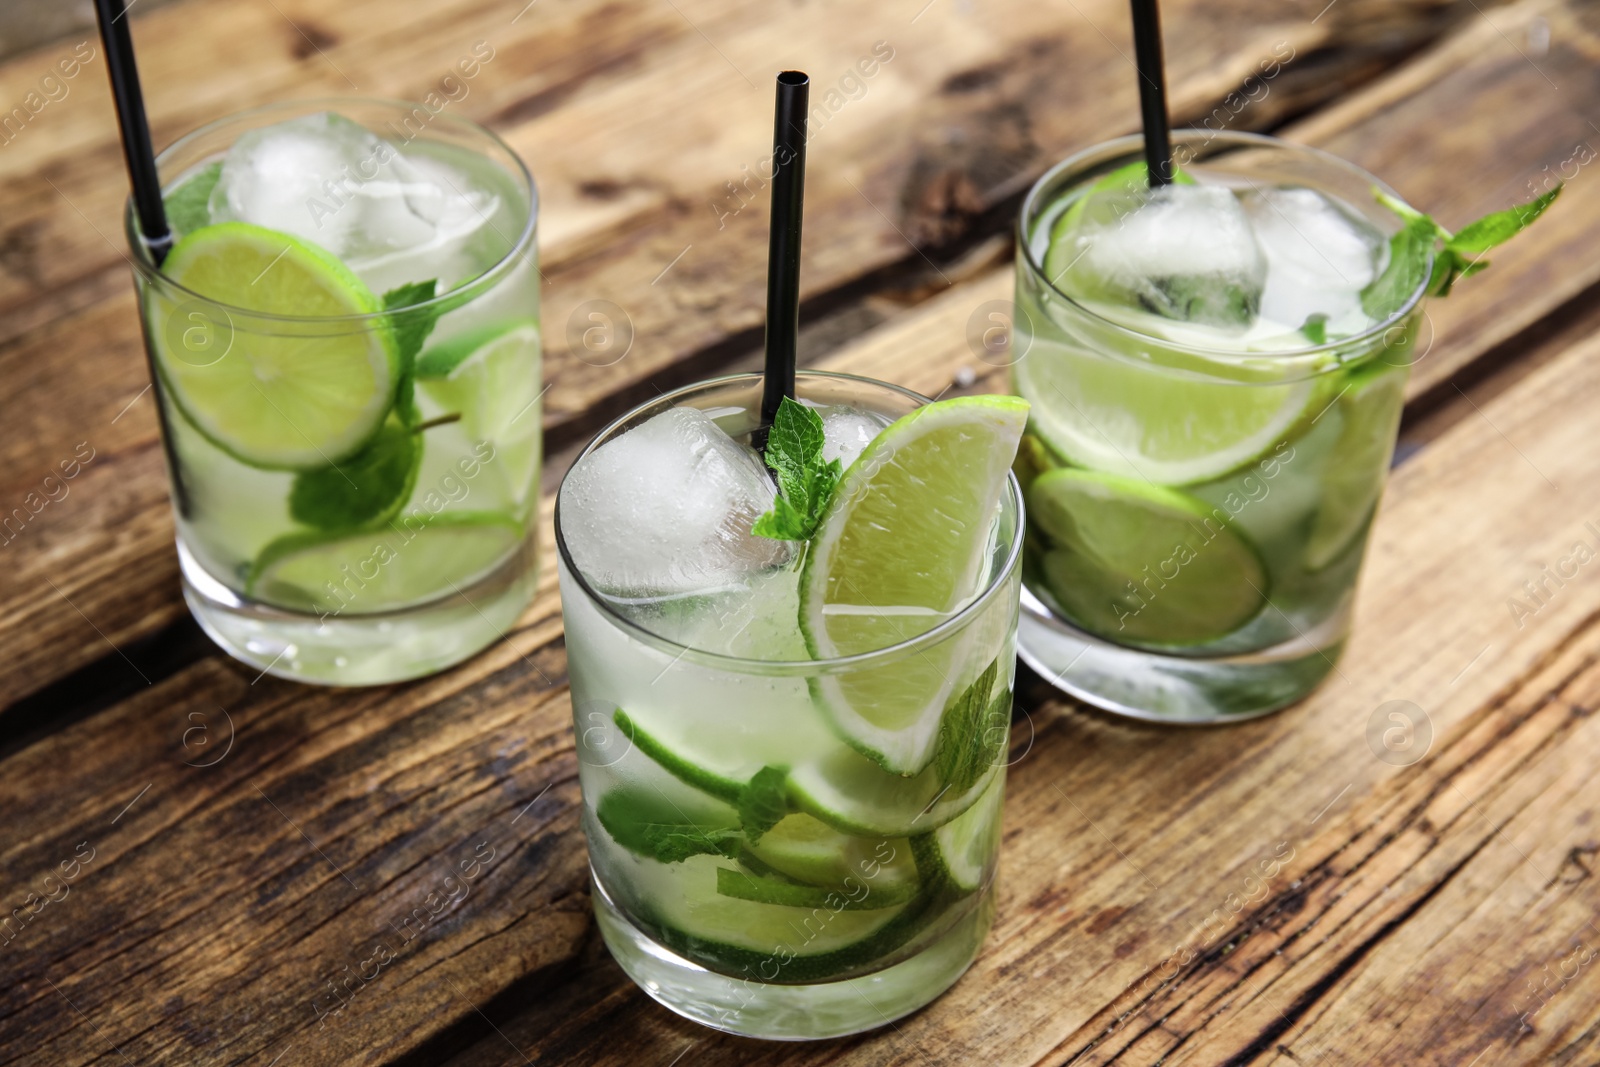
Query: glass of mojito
{"points": [[792, 704], [344, 342], [1216, 369]]}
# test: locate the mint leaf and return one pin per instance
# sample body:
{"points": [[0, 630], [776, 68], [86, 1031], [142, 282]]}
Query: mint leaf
{"points": [[655, 827], [369, 487], [189, 205], [410, 325], [795, 438], [972, 732], [1458, 255], [1495, 229], [764, 801], [1315, 328], [782, 523], [806, 484], [1408, 259]]}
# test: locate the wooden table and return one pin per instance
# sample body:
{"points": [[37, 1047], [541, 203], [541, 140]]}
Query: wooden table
{"points": [[238, 843]]}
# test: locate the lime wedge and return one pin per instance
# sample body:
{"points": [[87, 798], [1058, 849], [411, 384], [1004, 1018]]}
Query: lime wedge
{"points": [[1370, 409], [491, 376], [856, 796], [415, 557], [902, 548], [1153, 423], [967, 843], [1139, 562], [808, 850], [291, 397]]}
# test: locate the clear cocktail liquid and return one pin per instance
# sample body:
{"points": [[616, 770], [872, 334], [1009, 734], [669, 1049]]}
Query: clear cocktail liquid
{"points": [[693, 688], [1214, 409], [355, 561]]}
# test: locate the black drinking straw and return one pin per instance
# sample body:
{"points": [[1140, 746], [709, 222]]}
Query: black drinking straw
{"points": [[1152, 91], [141, 157], [783, 249], [136, 144]]}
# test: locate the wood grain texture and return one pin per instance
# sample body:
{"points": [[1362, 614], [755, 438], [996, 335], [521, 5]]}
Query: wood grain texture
{"points": [[254, 843], [635, 117], [216, 908]]}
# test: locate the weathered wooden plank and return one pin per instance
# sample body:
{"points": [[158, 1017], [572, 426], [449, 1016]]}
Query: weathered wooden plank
{"points": [[1467, 924], [631, 164], [1131, 852], [1497, 115], [206, 931], [1119, 839]]}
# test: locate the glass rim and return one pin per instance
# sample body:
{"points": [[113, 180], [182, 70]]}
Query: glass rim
{"points": [[1133, 145], [444, 301], [787, 668]]}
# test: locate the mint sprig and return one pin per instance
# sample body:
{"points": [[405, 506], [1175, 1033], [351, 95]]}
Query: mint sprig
{"points": [[1456, 255], [410, 326], [806, 483]]}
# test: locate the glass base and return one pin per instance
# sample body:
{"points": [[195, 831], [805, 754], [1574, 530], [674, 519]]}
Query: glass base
{"points": [[1175, 689], [371, 649], [794, 1012]]}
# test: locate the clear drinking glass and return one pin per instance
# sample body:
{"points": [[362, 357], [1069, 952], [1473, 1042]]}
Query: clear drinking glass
{"points": [[404, 545], [873, 893], [1199, 498]]}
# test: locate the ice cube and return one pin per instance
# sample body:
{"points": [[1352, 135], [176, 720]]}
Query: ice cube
{"points": [[1319, 255], [846, 432], [391, 217], [1180, 251], [666, 510]]}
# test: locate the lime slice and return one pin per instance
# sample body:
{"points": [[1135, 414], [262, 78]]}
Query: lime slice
{"points": [[1370, 409], [902, 548], [1156, 424], [729, 933], [728, 790], [858, 897], [289, 397], [1139, 562], [853, 794], [808, 850], [967, 843], [491, 376], [416, 557]]}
